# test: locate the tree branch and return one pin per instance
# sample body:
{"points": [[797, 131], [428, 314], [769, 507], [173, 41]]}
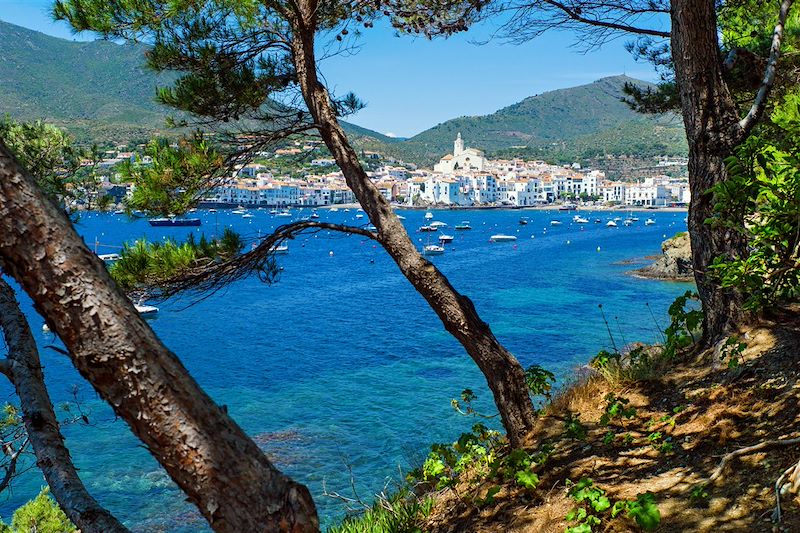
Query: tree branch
{"points": [[52, 456], [212, 277], [578, 17], [760, 102]]}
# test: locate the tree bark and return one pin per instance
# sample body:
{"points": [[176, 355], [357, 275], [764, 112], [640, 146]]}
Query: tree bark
{"points": [[712, 130], [52, 456], [204, 451], [503, 373]]}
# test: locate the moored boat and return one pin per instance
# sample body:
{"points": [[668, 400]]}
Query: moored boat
{"points": [[428, 215], [649, 222], [502, 238], [445, 238], [428, 228], [555, 222], [463, 226], [611, 224], [432, 249], [171, 222]]}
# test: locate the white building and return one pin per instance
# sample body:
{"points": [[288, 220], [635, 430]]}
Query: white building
{"points": [[647, 194], [461, 159]]}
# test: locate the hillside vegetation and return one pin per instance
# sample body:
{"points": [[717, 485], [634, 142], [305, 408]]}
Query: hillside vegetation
{"points": [[102, 92]]}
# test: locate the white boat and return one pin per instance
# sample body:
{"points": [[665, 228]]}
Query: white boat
{"points": [[649, 222], [445, 238], [284, 214], [240, 210], [581, 220], [555, 222], [109, 258], [212, 210], [314, 215], [334, 209], [280, 249], [45, 328], [628, 222], [428, 228], [119, 212], [273, 211], [248, 215], [428, 215], [611, 224], [433, 249], [464, 225], [400, 217], [359, 216], [502, 238], [146, 310], [371, 228], [437, 224]]}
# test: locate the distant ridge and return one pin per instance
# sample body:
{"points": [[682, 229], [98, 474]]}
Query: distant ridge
{"points": [[578, 122], [101, 91]]}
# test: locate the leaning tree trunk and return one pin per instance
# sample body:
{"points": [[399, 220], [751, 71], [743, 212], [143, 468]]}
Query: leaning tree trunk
{"points": [[24, 370], [503, 373], [204, 451], [711, 120]]}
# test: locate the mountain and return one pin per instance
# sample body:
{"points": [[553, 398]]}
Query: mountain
{"points": [[101, 91], [98, 90], [567, 124]]}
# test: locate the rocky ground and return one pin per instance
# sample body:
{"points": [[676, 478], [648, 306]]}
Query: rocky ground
{"points": [[689, 416], [674, 264]]}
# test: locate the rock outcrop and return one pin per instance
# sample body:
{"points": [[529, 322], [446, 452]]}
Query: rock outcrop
{"points": [[675, 263]]}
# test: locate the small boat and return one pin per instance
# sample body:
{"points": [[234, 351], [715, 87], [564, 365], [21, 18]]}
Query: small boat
{"points": [[347, 210], [248, 215], [45, 328], [464, 225], [581, 220], [371, 228], [437, 224], [273, 211], [432, 249], [649, 222], [428, 215], [314, 215], [359, 216], [240, 210], [502, 238], [597, 221], [109, 258], [555, 222], [428, 228], [212, 210], [445, 238], [171, 222], [635, 219], [146, 310], [334, 209], [400, 217], [523, 221], [628, 222], [119, 212], [284, 214], [568, 207], [279, 249], [611, 224]]}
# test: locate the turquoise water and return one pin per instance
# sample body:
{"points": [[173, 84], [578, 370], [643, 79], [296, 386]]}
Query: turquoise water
{"points": [[341, 363]]}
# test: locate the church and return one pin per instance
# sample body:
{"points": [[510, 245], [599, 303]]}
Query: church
{"points": [[461, 159]]}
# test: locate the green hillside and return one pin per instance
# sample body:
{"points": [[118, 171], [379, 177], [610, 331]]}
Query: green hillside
{"points": [[567, 124], [102, 92]]}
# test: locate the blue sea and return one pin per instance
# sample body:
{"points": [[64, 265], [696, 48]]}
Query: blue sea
{"points": [[340, 367]]}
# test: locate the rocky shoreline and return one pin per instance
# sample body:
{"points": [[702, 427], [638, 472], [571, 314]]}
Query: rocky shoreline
{"points": [[674, 263]]}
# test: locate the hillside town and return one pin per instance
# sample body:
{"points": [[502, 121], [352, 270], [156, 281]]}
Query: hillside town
{"points": [[463, 178]]}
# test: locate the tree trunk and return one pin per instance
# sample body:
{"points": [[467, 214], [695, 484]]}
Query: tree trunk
{"points": [[52, 457], [503, 373], [204, 451], [711, 120]]}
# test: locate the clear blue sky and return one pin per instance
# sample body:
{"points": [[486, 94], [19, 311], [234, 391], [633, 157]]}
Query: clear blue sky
{"points": [[412, 84]]}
